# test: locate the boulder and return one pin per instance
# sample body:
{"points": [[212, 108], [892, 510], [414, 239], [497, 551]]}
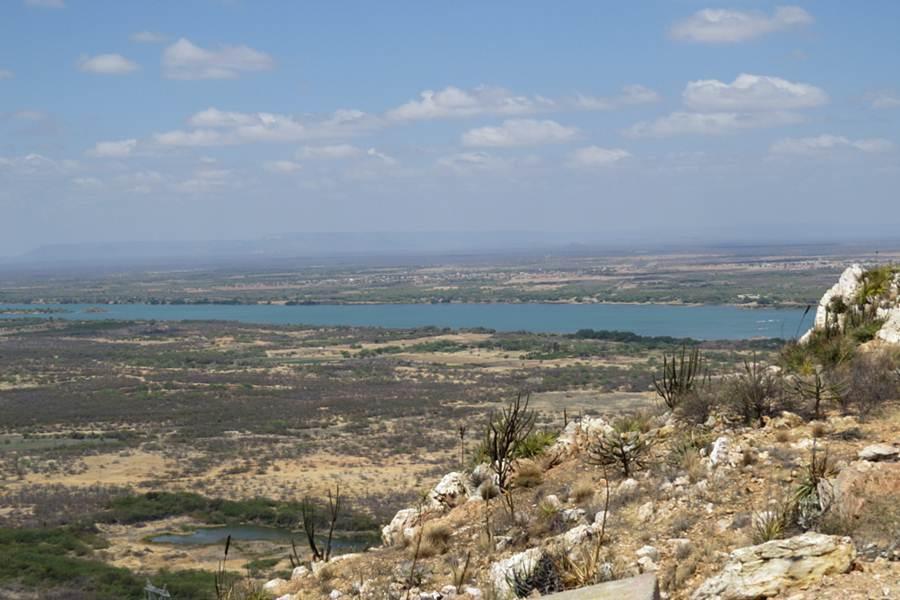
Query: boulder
{"points": [[522, 565], [879, 452], [395, 532], [450, 491], [890, 330], [274, 587], [858, 484], [771, 568], [642, 587], [720, 452], [578, 434], [299, 572]]}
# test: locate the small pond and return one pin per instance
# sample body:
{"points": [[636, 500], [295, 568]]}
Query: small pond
{"points": [[204, 536]]}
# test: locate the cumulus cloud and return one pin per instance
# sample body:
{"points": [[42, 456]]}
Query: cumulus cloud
{"points": [[751, 93], [184, 60], [749, 102], [216, 127], [116, 149], [679, 123], [823, 144], [335, 151], [631, 95], [204, 180], [140, 182], [46, 3], [6, 74], [519, 132], [148, 37], [455, 102], [107, 64], [595, 156], [282, 166], [884, 100], [386, 159], [723, 26], [465, 162]]}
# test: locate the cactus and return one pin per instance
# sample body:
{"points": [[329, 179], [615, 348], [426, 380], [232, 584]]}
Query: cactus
{"points": [[679, 374]]}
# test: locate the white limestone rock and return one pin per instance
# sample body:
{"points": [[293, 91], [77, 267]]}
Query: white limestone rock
{"points": [[771, 568], [879, 452], [504, 571], [395, 532], [451, 491]]}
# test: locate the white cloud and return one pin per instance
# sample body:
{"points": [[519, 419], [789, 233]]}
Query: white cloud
{"points": [[148, 37], [107, 64], [30, 115], [455, 102], [823, 144], [213, 117], [595, 156], [116, 149], [6, 74], [282, 166], [751, 93], [519, 132], [204, 180], [388, 160], [220, 128], [723, 26], [87, 182], [184, 60], [885, 100], [631, 95], [679, 123], [46, 3], [196, 138], [465, 162], [335, 151], [140, 182]]}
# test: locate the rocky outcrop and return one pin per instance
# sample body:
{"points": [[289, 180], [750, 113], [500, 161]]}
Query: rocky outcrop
{"points": [[578, 434], [451, 491], [771, 568], [401, 527], [845, 293]]}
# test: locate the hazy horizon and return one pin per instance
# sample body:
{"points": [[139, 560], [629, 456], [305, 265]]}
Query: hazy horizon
{"points": [[656, 122]]}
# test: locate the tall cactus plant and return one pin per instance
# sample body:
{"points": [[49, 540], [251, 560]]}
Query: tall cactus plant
{"points": [[679, 374]]}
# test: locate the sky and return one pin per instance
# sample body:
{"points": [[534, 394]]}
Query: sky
{"points": [[236, 119]]}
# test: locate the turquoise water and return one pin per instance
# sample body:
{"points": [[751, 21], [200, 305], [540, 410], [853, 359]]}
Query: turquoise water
{"points": [[700, 322]]}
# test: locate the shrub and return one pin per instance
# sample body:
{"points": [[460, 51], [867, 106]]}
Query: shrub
{"points": [[582, 492], [756, 392], [534, 444], [528, 474], [700, 403], [505, 432], [871, 381], [626, 450]]}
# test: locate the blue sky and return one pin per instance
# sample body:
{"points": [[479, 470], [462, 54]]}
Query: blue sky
{"points": [[212, 119]]}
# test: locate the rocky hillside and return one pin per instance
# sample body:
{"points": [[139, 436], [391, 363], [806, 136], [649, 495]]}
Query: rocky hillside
{"points": [[777, 481]]}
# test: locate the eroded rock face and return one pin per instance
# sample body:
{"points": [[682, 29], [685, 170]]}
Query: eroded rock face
{"points": [[771, 568], [846, 289], [450, 491], [395, 532]]}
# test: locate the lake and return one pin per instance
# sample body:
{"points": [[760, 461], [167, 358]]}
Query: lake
{"points": [[699, 322]]}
